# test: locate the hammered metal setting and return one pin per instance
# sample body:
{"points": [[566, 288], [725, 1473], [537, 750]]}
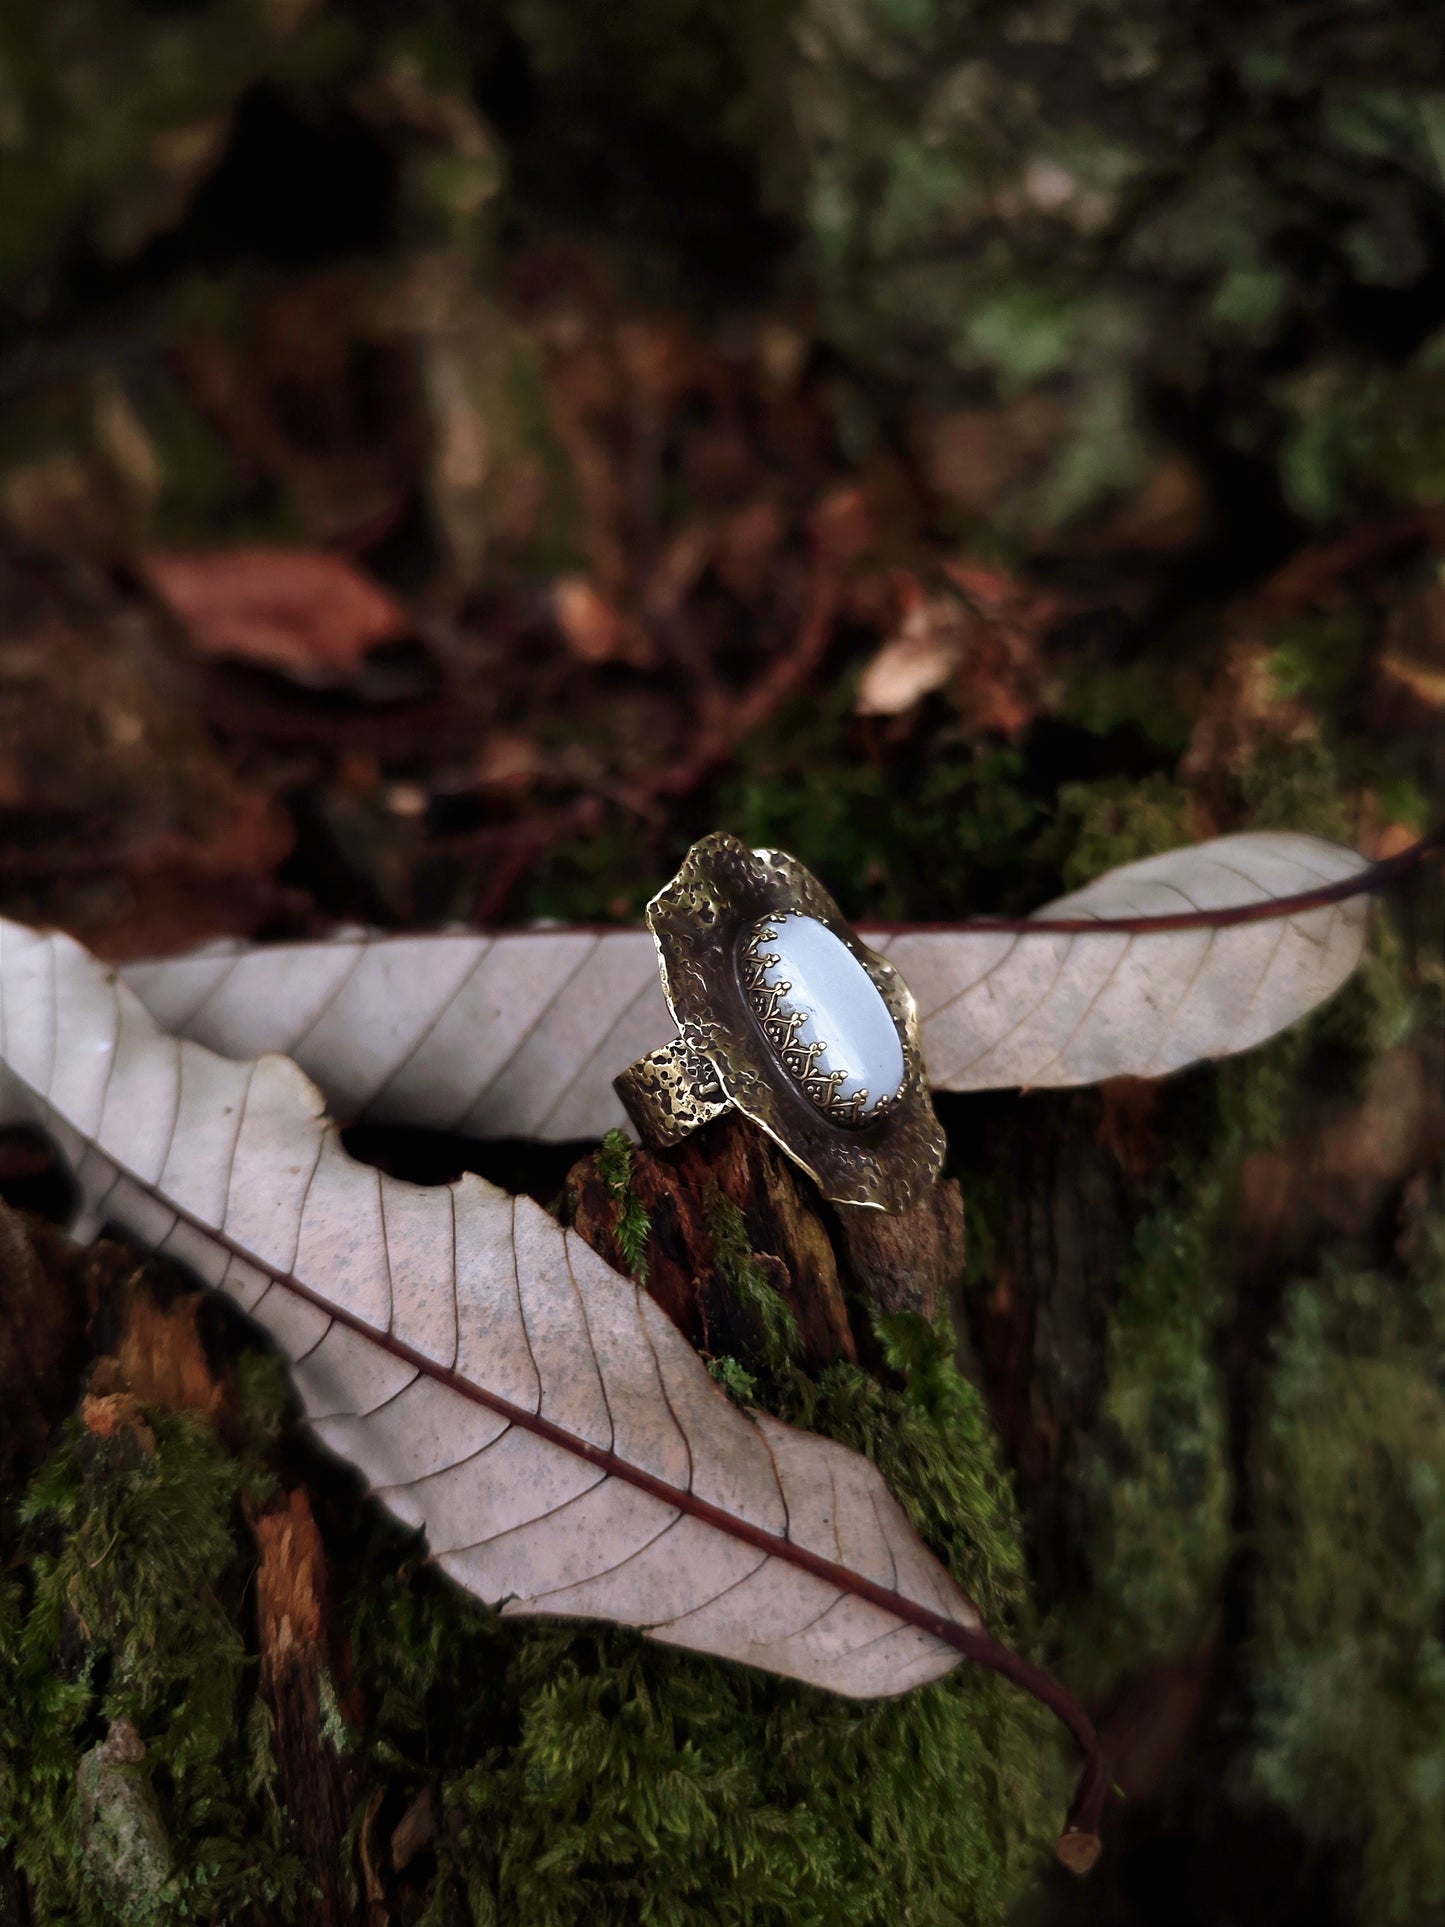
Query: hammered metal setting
{"points": [[703, 924]]}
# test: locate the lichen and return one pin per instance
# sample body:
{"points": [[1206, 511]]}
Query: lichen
{"points": [[1094, 201]]}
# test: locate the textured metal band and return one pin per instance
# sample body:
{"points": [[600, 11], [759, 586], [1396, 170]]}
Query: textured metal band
{"points": [[670, 1092]]}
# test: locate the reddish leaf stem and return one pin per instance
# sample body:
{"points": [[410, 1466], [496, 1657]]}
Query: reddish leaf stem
{"points": [[1079, 1845], [1364, 882]]}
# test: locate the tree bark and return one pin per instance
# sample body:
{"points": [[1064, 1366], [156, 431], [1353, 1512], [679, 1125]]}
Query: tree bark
{"points": [[829, 1263]]}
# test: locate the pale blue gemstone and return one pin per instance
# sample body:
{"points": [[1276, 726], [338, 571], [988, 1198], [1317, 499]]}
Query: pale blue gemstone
{"points": [[839, 1003]]}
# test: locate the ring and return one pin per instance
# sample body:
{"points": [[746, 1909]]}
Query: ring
{"points": [[783, 1014]]}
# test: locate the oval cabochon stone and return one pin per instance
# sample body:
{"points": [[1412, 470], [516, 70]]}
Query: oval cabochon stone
{"points": [[838, 1002]]}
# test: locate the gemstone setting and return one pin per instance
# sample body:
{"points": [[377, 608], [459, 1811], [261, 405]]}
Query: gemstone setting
{"points": [[823, 1016]]}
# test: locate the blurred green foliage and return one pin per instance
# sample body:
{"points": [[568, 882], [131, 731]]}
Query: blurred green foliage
{"points": [[1347, 1653]]}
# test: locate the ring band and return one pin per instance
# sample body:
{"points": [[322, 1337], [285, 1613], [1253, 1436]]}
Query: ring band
{"points": [[671, 1092], [785, 1015]]}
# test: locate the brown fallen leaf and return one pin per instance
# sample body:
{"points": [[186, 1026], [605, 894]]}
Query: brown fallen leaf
{"points": [[595, 629], [1247, 708], [982, 647], [747, 545], [1320, 571], [508, 760], [415, 1830], [1423, 680], [974, 458], [921, 657], [182, 887], [307, 613]]}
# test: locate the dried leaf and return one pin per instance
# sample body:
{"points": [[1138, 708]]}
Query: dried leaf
{"points": [[1043, 1007], [305, 612], [922, 657], [493, 1378], [594, 629], [983, 647], [520, 1035], [1422, 679], [511, 1036]]}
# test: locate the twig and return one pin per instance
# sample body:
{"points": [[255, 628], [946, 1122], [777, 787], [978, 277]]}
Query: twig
{"points": [[730, 722], [1300, 581]]}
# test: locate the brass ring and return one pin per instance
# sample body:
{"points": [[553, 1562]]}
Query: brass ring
{"points": [[788, 1051]]}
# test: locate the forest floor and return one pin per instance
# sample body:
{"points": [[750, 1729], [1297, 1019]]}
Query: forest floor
{"points": [[699, 595]]}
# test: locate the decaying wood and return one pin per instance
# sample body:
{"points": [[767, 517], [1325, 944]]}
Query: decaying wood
{"points": [[160, 1364], [785, 1227], [817, 1255], [913, 1261], [161, 1357], [1041, 1331], [318, 1783]]}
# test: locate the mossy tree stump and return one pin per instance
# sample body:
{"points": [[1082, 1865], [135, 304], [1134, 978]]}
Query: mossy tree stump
{"points": [[726, 1200]]}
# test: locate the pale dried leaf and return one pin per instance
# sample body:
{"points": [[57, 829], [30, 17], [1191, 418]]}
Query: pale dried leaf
{"points": [[1019, 1007], [520, 1035], [498, 1384], [923, 657]]}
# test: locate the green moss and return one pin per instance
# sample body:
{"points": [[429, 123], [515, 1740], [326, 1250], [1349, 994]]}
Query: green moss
{"points": [[586, 1776], [608, 874], [1296, 786], [1159, 1493], [1157, 698], [751, 1283], [943, 835], [946, 834], [127, 1605], [633, 1227], [1104, 824], [736, 1380], [1347, 1654], [581, 1774], [1330, 432]]}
